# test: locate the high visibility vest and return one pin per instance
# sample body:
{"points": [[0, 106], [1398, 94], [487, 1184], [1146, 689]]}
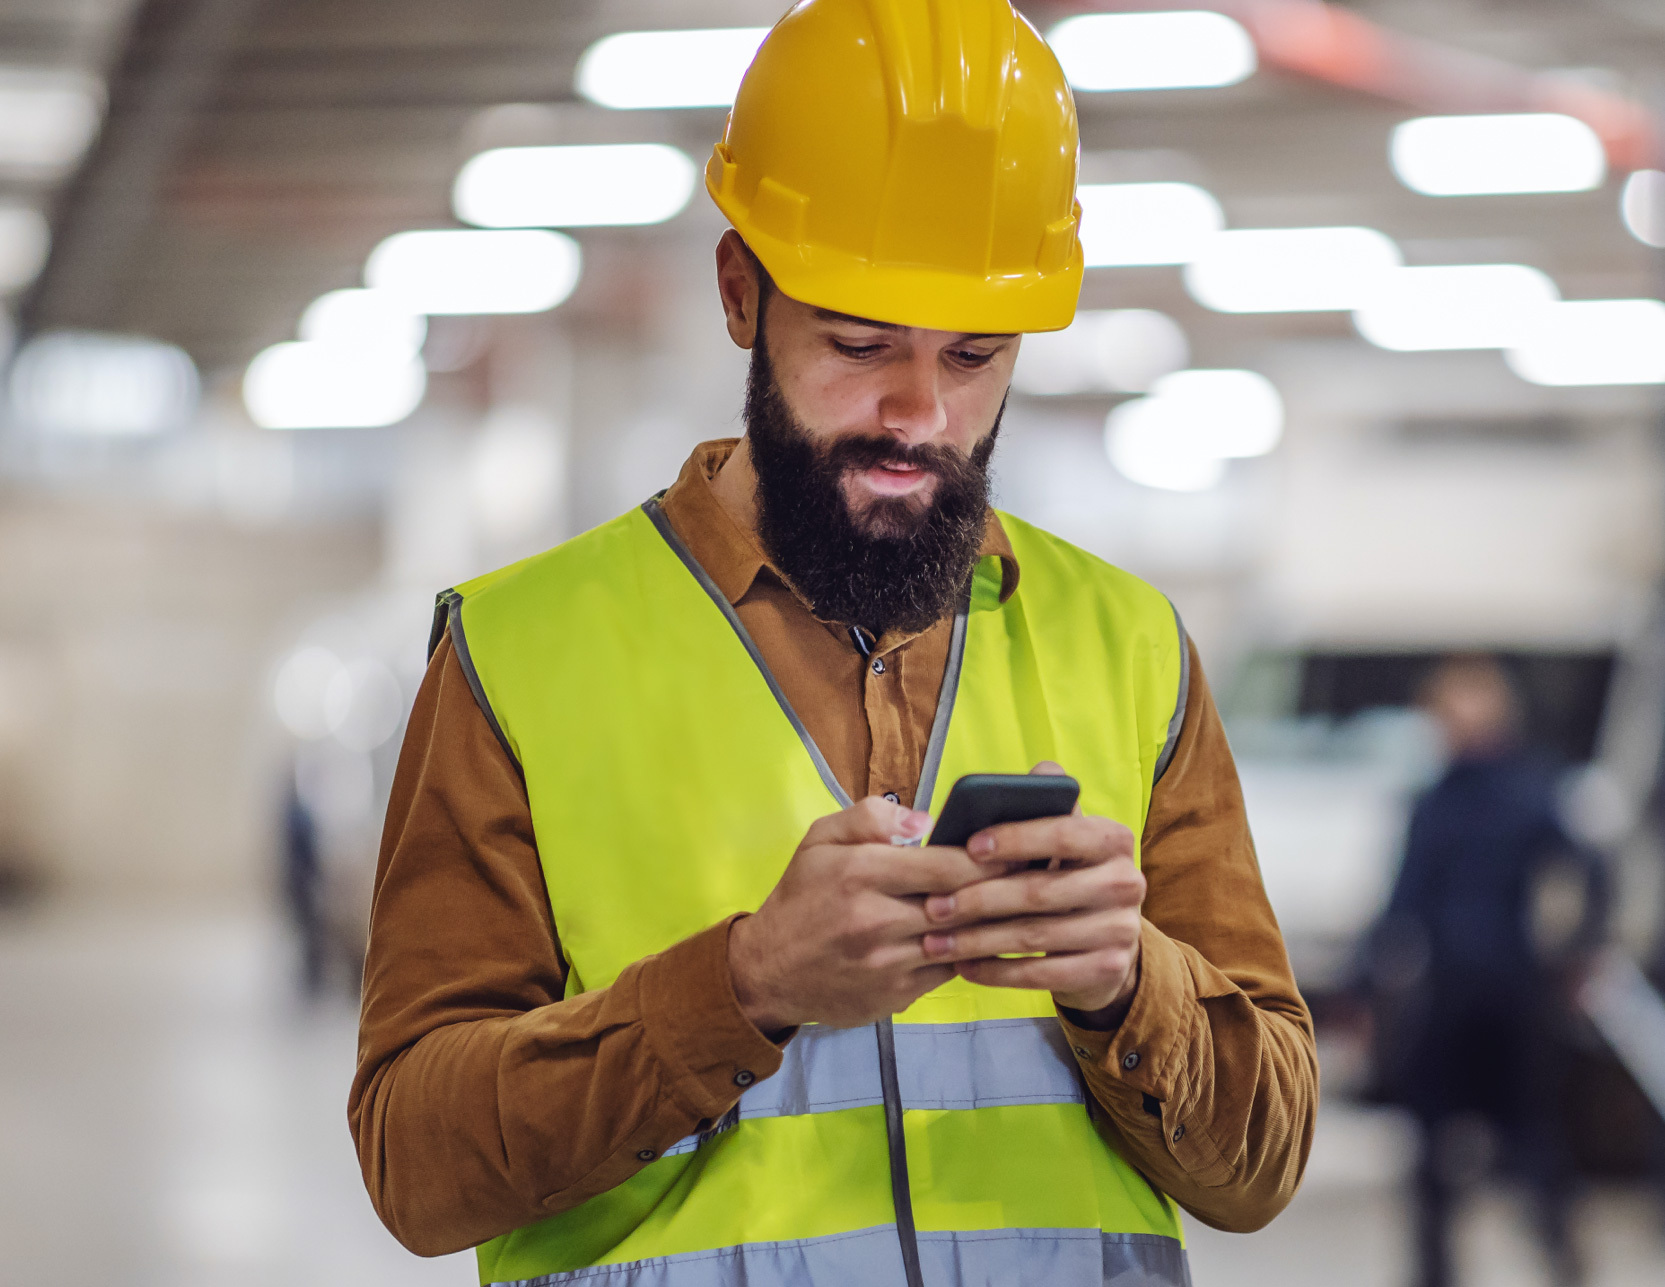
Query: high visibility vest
{"points": [[669, 784]]}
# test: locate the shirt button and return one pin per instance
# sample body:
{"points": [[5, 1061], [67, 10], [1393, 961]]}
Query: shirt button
{"points": [[1179, 1133], [646, 1155], [1130, 1060], [745, 1077], [893, 797], [878, 665]]}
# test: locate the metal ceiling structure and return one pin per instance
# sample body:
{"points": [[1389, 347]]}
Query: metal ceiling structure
{"points": [[255, 150]]}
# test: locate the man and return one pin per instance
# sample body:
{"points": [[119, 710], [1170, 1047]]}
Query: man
{"points": [[627, 943], [1494, 913]]}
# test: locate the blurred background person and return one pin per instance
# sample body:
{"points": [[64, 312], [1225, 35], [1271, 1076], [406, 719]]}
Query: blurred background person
{"points": [[1475, 960]]}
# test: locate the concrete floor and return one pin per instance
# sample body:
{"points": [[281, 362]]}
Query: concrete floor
{"points": [[171, 1117]]}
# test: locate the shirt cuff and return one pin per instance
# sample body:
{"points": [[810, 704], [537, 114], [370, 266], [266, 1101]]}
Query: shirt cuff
{"points": [[1139, 1057], [710, 1050]]}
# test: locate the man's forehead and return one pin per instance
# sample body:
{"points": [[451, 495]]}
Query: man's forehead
{"points": [[830, 315]]}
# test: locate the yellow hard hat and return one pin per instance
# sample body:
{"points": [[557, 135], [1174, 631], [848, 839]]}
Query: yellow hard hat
{"points": [[909, 161]]}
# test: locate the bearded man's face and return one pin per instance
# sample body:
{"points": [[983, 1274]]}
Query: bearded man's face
{"points": [[873, 530]]}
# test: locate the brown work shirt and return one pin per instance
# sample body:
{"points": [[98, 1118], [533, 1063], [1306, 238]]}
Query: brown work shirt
{"points": [[483, 1101]]}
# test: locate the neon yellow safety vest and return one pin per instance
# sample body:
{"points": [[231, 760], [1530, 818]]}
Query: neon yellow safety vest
{"points": [[670, 783]]}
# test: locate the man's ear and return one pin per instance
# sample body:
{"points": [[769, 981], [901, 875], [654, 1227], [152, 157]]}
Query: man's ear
{"points": [[739, 288]]}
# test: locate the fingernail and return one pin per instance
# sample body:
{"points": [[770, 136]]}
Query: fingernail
{"points": [[915, 822], [939, 907], [981, 845], [938, 944]]}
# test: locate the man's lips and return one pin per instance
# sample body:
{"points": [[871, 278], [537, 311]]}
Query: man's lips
{"points": [[895, 479]]}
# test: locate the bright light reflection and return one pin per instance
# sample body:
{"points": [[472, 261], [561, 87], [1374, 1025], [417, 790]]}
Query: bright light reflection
{"points": [[634, 69], [1594, 341], [47, 118], [364, 319], [302, 690], [1179, 50], [1120, 350], [1455, 156], [79, 382], [1179, 437], [562, 187], [1291, 270], [25, 239], [521, 270], [1455, 306], [1642, 205], [308, 385], [1146, 223]]}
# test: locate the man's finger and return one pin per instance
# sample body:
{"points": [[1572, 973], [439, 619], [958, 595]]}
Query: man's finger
{"points": [[1070, 972], [1114, 884], [1086, 932], [1074, 838], [867, 821], [908, 872]]}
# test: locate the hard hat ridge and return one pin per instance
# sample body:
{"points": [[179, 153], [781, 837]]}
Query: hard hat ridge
{"points": [[912, 161]]}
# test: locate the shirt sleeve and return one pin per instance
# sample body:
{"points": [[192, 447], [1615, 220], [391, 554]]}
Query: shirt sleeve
{"points": [[483, 1101], [1209, 1085]]}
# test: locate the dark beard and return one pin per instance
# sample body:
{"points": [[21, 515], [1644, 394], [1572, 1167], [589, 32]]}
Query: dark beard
{"points": [[901, 564]]}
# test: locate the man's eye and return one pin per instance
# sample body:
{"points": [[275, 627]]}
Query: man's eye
{"points": [[857, 350], [969, 357]]}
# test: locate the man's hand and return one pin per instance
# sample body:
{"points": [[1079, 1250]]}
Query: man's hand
{"points": [[1084, 915], [839, 939]]}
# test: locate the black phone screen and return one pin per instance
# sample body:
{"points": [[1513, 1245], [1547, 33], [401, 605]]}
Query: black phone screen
{"points": [[981, 800]]}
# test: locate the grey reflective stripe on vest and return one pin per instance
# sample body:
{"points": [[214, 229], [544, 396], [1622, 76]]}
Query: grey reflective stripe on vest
{"points": [[1176, 721], [939, 1065], [979, 1258]]}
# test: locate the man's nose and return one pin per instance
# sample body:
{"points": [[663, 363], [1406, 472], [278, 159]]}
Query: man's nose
{"points": [[911, 405]]}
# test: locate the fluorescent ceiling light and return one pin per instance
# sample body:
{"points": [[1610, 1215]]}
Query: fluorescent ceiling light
{"points": [[310, 385], [364, 319], [79, 382], [1455, 306], [465, 271], [1642, 206], [1181, 50], [1120, 350], [1455, 156], [25, 240], [563, 187], [1180, 436], [1291, 270], [1146, 223], [1231, 413], [47, 118], [1594, 341], [668, 68]]}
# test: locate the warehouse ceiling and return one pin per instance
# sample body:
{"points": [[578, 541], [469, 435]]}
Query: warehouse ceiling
{"points": [[255, 150]]}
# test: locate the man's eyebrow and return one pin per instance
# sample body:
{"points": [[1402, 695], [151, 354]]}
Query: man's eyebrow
{"points": [[829, 315]]}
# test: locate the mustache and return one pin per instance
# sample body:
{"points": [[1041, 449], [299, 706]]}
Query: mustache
{"points": [[861, 453]]}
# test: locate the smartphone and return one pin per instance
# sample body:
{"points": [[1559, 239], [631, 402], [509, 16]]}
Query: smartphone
{"points": [[981, 800]]}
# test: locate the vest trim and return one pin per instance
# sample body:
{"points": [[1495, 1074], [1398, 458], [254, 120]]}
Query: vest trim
{"points": [[662, 524], [1181, 700], [959, 1259], [448, 616], [983, 1064]]}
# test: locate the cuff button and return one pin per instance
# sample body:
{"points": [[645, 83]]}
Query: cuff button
{"points": [[1083, 1052], [1130, 1060], [745, 1077], [1179, 1133], [646, 1155]]}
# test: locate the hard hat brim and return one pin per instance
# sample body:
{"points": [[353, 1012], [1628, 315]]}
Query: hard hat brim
{"points": [[912, 295]]}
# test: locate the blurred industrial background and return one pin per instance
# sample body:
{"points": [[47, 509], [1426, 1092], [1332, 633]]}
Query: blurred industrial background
{"points": [[1369, 371]]}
